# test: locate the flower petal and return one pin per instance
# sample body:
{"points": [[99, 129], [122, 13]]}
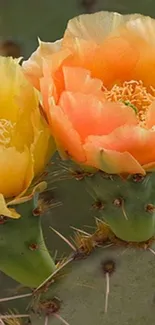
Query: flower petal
{"points": [[4, 211], [67, 139], [135, 140], [49, 52], [112, 61], [149, 167], [95, 26], [141, 33], [89, 115], [150, 117], [111, 161], [43, 146], [77, 79], [16, 171]]}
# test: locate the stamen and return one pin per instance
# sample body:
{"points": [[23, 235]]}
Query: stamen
{"points": [[135, 93]]}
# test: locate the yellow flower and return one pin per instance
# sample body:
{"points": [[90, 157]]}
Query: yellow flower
{"points": [[25, 140]]}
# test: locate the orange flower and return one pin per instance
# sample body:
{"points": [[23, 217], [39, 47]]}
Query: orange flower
{"points": [[98, 91]]}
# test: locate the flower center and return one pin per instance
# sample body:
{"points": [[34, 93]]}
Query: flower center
{"points": [[135, 94]]}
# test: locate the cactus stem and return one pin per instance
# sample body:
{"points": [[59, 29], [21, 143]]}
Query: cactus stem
{"points": [[61, 319], [64, 239], [48, 280], [16, 297], [107, 292]]}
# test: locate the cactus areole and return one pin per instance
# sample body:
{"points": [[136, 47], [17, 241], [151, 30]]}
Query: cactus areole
{"points": [[126, 204]]}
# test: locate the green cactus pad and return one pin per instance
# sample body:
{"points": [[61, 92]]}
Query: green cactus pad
{"points": [[126, 204], [79, 293], [23, 254]]}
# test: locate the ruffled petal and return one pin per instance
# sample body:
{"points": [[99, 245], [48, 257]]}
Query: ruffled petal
{"points": [[67, 139], [135, 140], [51, 53], [96, 26], [111, 161], [89, 115], [112, 61], [141, 33], [77, 79]]}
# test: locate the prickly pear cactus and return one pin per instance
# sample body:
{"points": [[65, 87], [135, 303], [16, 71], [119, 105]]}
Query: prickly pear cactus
{"points": [[127, 205], [102, 280], [24, 255]]}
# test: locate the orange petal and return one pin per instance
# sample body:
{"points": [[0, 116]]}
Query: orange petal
{"points": [[150, 117], [67, 139], [113, 60], [149, 167], [77, 79], [95, 26], [47, 88], [89, 116], [123, 46], [110, 161], [135, 140], [49, 52], [140, 31]]}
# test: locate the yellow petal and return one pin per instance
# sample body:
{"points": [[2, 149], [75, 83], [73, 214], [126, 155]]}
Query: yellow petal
{"points": [[43, 146], [16, 171], [39, 188], [95, 27], [4, 211]]}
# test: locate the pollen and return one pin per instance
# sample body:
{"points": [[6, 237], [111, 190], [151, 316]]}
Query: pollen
{"points": [[132, 93]]}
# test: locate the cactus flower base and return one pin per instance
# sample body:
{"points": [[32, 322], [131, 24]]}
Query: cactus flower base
{"points": [[23, 253]]}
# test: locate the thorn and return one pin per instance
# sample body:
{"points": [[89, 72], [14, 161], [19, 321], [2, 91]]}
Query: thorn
{"points": [[14, 316], [106, 246], [53, 274], [82, 231], [46, 320], [61, 319], [151, 250], [64, 238], [16, 297], [107, 292], [123, 210], [1, 322]]}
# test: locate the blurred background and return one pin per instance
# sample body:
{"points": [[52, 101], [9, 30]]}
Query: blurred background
{"points": [[21, 23]]}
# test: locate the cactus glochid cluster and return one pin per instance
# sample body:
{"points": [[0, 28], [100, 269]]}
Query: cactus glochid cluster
{"points": [[91, 96]]}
